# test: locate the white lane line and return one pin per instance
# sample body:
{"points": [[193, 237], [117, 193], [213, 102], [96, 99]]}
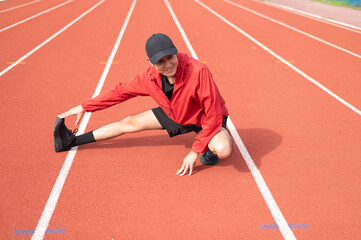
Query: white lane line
{"points": [[261, 183], [22, 5], [57, 188], [36, 15], [49, 39], [293, 28], [312, 16], [281, 59], [262, 186]]}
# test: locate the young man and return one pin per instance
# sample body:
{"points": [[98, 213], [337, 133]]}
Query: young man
{"points": [[188, 100]]}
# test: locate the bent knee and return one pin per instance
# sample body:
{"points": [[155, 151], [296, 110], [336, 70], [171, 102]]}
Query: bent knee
{"points": [[223, 150]]}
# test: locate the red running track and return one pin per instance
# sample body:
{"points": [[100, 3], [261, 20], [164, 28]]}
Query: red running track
{"points": [[303, 141]]}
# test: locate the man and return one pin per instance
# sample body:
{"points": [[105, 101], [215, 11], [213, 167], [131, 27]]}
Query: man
{"points": [[188, 100]]}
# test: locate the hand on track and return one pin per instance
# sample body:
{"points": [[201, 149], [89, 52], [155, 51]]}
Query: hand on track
{"points": [[188, 163]]}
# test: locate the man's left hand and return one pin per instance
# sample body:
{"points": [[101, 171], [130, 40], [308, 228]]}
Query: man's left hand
{"points": [[188, 163]]}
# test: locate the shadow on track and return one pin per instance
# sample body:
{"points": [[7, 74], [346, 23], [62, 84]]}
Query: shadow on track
{"points": [[258, 141]]}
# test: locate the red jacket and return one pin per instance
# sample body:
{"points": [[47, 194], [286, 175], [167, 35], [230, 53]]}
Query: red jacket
{"points": [[195, 100]]}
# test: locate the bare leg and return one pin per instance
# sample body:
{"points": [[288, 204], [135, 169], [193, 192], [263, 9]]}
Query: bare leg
{"points": [[135, 123], [221, 144]]}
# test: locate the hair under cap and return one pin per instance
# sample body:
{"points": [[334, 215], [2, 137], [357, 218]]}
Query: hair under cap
{"points": [[158, 46]]}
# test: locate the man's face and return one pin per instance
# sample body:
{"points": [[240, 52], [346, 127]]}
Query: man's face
{"points": [[167, 65]]}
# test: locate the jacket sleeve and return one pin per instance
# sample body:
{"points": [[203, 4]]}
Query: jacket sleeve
{"points": [[120, 93], [211, 102]]}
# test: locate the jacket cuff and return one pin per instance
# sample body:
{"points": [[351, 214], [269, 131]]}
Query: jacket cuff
{"points": [[199, 148]]}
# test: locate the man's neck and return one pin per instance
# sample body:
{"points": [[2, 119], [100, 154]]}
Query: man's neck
{"points": [[171, 80]]}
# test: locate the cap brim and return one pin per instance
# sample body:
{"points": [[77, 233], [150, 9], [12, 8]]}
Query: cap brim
{"points": [[170, 51]]}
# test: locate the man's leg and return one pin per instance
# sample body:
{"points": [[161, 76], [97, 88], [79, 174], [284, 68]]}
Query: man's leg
{"points": [[134, 123], [221, 144], [64, 139]]}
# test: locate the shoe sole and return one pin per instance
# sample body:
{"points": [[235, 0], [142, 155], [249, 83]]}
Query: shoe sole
{"points": [[206, 162], [58, 146]]}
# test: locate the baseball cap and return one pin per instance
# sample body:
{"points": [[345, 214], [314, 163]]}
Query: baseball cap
{"points": [[158, 46]]}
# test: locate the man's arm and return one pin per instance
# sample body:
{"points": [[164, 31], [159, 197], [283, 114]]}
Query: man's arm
{"points": [[213, 106], [212, 103], [120, 93]]}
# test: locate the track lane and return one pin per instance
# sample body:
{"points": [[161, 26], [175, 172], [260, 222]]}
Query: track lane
{"points": [[72, 64], [336, 35], [129, 184], [318, 18], [37, 31], [36, 15], [261, 184], [304, 53], [11, 5], [306, 173], [12, 16], [294, 29], [46, 216]]}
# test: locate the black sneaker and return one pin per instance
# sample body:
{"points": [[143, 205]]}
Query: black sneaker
{"points": [[63, 137], [209, 158]]}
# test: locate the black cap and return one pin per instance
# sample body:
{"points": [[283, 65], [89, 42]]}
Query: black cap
{"points": [[158, 46]]}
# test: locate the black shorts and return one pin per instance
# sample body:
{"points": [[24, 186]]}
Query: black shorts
{"points": [[174, 128]]}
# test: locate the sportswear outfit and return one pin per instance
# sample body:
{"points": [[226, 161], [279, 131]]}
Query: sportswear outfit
{"points": [[195, 100]]}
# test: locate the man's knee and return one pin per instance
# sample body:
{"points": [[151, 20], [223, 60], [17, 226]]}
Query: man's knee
{"points": [[223, 150], [139, 122], [128, 124]]}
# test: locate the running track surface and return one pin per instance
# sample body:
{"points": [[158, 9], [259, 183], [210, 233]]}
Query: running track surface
{"points": [[293, 99]]}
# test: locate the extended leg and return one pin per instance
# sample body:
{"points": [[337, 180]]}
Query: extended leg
{"points": [[64, 139], [134, 123]]}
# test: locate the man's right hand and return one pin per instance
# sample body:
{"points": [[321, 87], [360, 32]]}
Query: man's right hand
{"points": [[78, 111]]}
